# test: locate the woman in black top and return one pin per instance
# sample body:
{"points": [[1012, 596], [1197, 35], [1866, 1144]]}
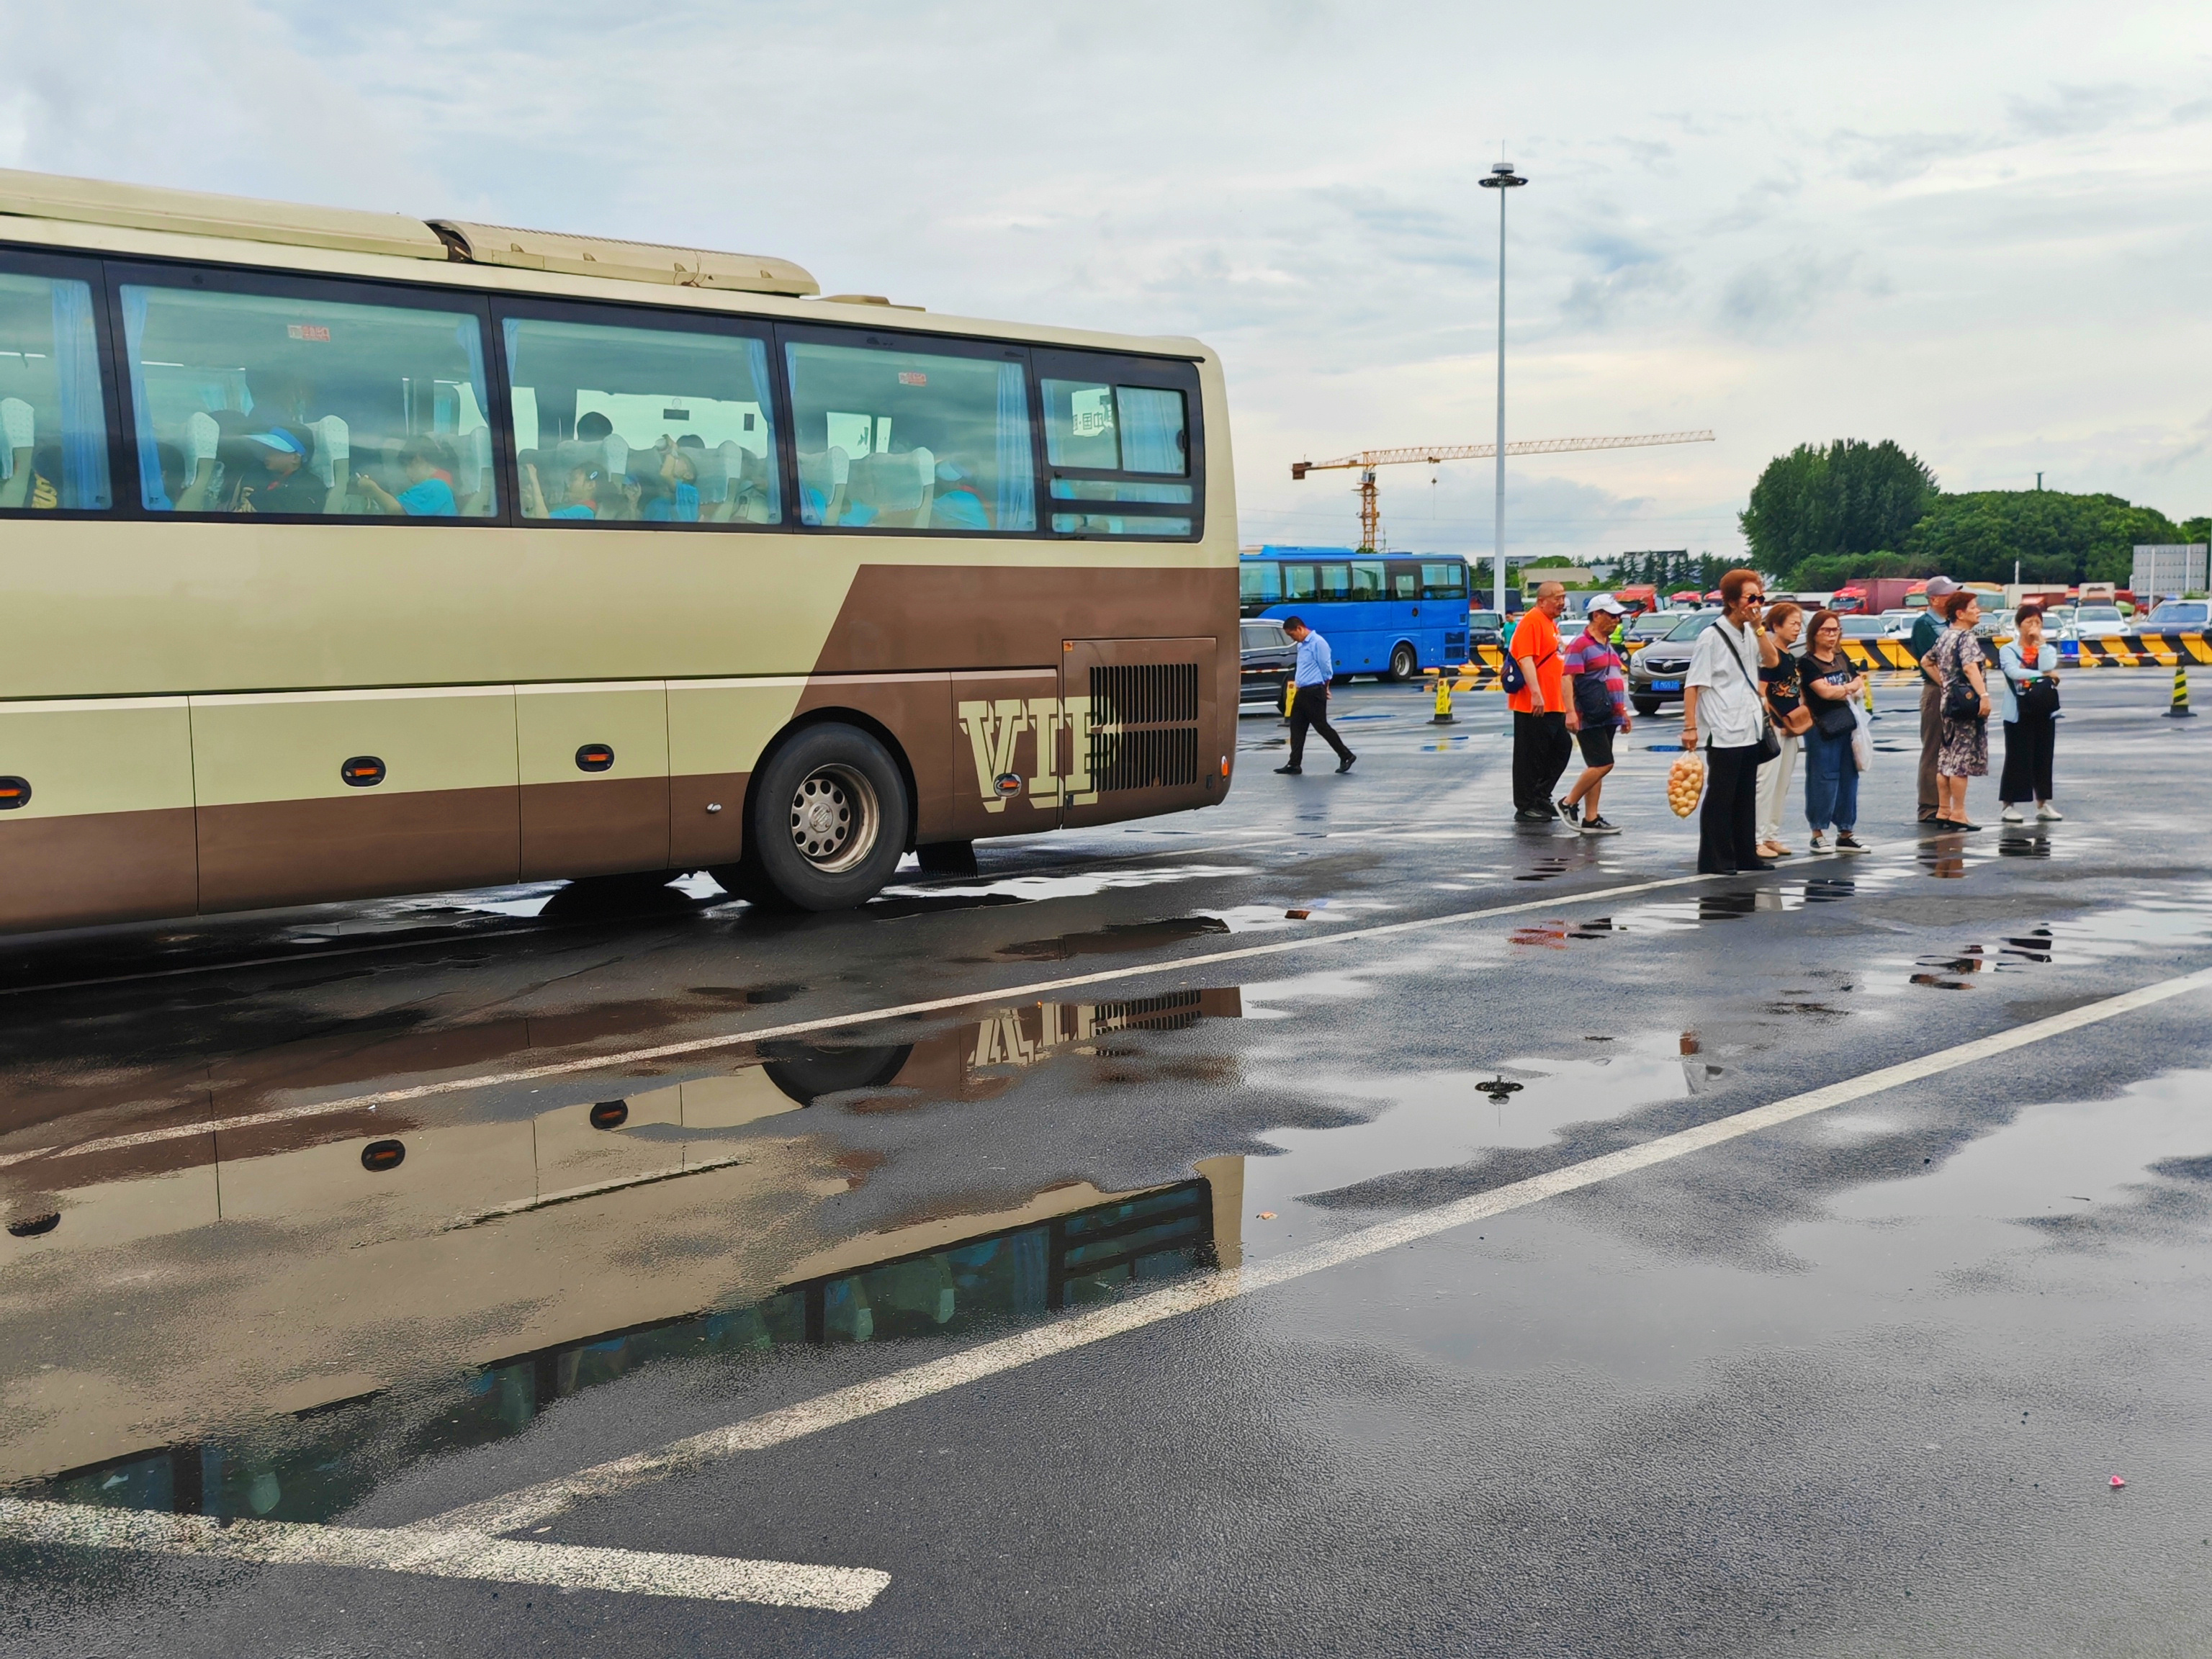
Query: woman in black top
{"points": [[1830, 684], [1778, 683]]}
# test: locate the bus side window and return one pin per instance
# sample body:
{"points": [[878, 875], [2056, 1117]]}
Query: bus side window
{"points": [[54, 426], [1259, 585], [1298, 583], [1110, 438], [904, 438], [297, 403], [1405, 580], [1367, 584], [1444, 581], [641, 424]]}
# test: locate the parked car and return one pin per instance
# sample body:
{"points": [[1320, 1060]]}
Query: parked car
{"points": [[1639, 631], [1654, 673], [1269, 661], [1898, 624], [1571, 627], [2094, 621], [1485, 627], [2178, 616], [1862, 629]]}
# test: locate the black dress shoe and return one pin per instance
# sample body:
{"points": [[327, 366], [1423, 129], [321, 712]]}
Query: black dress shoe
{"points": [[1291, 771], [1345, 765]]}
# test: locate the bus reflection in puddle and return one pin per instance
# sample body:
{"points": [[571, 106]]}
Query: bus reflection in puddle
{"points": [[359, 1331]]}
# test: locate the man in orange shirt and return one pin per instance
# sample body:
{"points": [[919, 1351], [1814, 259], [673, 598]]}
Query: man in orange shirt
{"points": [[1542, 747]]}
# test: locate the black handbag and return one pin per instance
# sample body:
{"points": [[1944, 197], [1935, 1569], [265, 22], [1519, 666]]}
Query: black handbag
{"points": [[1834, 718], [1961, 700], [2036, 695], [1593, 698]]}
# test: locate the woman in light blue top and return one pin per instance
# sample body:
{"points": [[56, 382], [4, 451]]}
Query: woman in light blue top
{"points": [[2028, 699]]}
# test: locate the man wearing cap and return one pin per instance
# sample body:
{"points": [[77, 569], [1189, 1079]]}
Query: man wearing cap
{"points": [[1925, 632], [278, 481], [1596, 706]]}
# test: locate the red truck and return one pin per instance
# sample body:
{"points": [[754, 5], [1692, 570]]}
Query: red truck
{"points": [[1872, 595]]}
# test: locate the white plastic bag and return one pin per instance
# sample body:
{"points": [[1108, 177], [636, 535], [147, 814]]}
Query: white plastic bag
{"points": [[1861, 739]]}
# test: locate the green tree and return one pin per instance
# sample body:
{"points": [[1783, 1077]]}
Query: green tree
{"points": [[1852, 497], [2055, 536]]}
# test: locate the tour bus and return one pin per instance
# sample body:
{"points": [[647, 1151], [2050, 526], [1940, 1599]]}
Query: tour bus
{"points": [[346, 554], [1380, 614]]}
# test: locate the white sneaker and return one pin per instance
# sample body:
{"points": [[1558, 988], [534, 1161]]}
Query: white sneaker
{"points": [[2049, 813], [2011, 814]]}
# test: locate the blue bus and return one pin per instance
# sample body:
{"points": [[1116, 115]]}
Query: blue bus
{"points": [[1382, 614]]}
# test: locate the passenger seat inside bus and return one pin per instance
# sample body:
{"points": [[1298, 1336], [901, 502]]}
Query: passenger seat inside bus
{"points": [[822, 475], [897, 490]]}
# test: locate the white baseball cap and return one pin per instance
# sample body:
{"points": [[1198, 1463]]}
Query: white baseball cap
{"points": [[1608, 604]]}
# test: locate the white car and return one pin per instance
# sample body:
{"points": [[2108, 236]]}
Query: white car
{"points": [[1896, 624], [2094, 621]]}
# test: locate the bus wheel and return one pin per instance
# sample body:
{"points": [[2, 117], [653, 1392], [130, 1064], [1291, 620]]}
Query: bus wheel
{"points": [[1404, 663], [829, 821]]}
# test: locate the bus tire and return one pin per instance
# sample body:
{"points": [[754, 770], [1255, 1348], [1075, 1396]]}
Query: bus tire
{"points": [[1405, 662], [828, 822]]}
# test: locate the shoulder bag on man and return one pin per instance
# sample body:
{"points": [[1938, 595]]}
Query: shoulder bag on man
{"points": [[1769, 747]]}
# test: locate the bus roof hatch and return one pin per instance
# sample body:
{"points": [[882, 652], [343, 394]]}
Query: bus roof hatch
{"points": [[634, 262], [202, 213]]}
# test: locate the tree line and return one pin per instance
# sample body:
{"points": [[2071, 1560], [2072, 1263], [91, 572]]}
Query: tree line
{"points": [[1821, 516]]}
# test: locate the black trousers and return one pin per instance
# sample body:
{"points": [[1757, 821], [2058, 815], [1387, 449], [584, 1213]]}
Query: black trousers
{"points": [[2029, 742], [1310, 708], [1728, 824], [1541, 750]]}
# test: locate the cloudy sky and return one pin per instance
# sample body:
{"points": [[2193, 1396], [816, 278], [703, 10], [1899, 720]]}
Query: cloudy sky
{"points": [[1980, 229]]}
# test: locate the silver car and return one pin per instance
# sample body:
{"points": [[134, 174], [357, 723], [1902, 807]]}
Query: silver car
{"points": [[1654, 673]]}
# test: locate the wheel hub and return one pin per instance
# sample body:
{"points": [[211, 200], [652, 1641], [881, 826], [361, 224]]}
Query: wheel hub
{"points": [[834, 818]]}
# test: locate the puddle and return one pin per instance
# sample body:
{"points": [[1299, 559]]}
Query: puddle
{"points": [[1083, 886], [1439, 1120], [271, 1320], [1114, 939], [321, 1462]]}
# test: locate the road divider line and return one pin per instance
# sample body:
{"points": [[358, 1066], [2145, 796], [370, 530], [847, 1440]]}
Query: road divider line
{"points": [[536, 1503], [842, 1021], [445, 1553]]}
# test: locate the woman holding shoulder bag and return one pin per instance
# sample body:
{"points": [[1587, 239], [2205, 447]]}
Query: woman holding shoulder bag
{"points": [[2027, 698], [1833, 685], [1964, 750], [1722, 688], [1785, 708]]}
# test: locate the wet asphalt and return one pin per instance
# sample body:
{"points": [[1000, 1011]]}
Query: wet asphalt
{"points": [[1858, 1383]]}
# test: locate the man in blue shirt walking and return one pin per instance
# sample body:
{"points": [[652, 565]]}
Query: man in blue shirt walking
{"points": [[1309, 704]]}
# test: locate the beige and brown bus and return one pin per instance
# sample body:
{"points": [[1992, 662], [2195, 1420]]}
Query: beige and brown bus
{"points": [[344, 554]]}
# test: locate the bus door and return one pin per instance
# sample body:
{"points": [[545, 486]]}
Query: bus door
{"points": [[1141, 734]]}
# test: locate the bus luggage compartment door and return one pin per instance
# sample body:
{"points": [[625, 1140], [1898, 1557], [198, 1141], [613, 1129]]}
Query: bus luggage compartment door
{"points": [[594, 769], [95, 811], [1142, 732], [311, 796]]}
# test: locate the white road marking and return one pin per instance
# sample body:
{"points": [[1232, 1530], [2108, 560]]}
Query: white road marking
{"points": [[838, 1022], [446, 1553], [539, 1502]]}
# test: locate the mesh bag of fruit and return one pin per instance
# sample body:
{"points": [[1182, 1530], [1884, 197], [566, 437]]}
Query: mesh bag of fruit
{"points": [[1685, 783]]}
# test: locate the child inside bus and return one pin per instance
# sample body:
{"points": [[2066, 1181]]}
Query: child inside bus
{"points": [[429, 492]]}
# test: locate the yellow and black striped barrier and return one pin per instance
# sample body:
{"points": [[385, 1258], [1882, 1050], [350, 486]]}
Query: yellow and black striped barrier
{"points": [[2143, 650]]}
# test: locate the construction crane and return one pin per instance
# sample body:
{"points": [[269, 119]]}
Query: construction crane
{"points": [[1371, 509]]}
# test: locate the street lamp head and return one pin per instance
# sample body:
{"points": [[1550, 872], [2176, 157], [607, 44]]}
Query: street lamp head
{"points": [[1502, 177]]}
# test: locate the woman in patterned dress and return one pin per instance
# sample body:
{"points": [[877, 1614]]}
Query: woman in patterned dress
{"points": [[1963, 751]]}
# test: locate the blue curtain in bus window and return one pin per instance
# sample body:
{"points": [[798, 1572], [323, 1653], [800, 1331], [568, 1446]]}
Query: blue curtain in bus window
{"points": [[155, 496], [1151, 430], [84, 422], [1017, 492]]}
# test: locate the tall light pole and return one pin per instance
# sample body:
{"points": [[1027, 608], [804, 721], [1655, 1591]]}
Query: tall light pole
{"points": [[1502, 178]]}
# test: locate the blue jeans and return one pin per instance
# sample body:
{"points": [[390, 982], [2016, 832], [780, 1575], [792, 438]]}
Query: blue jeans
{"points": [[1832, 782]]}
